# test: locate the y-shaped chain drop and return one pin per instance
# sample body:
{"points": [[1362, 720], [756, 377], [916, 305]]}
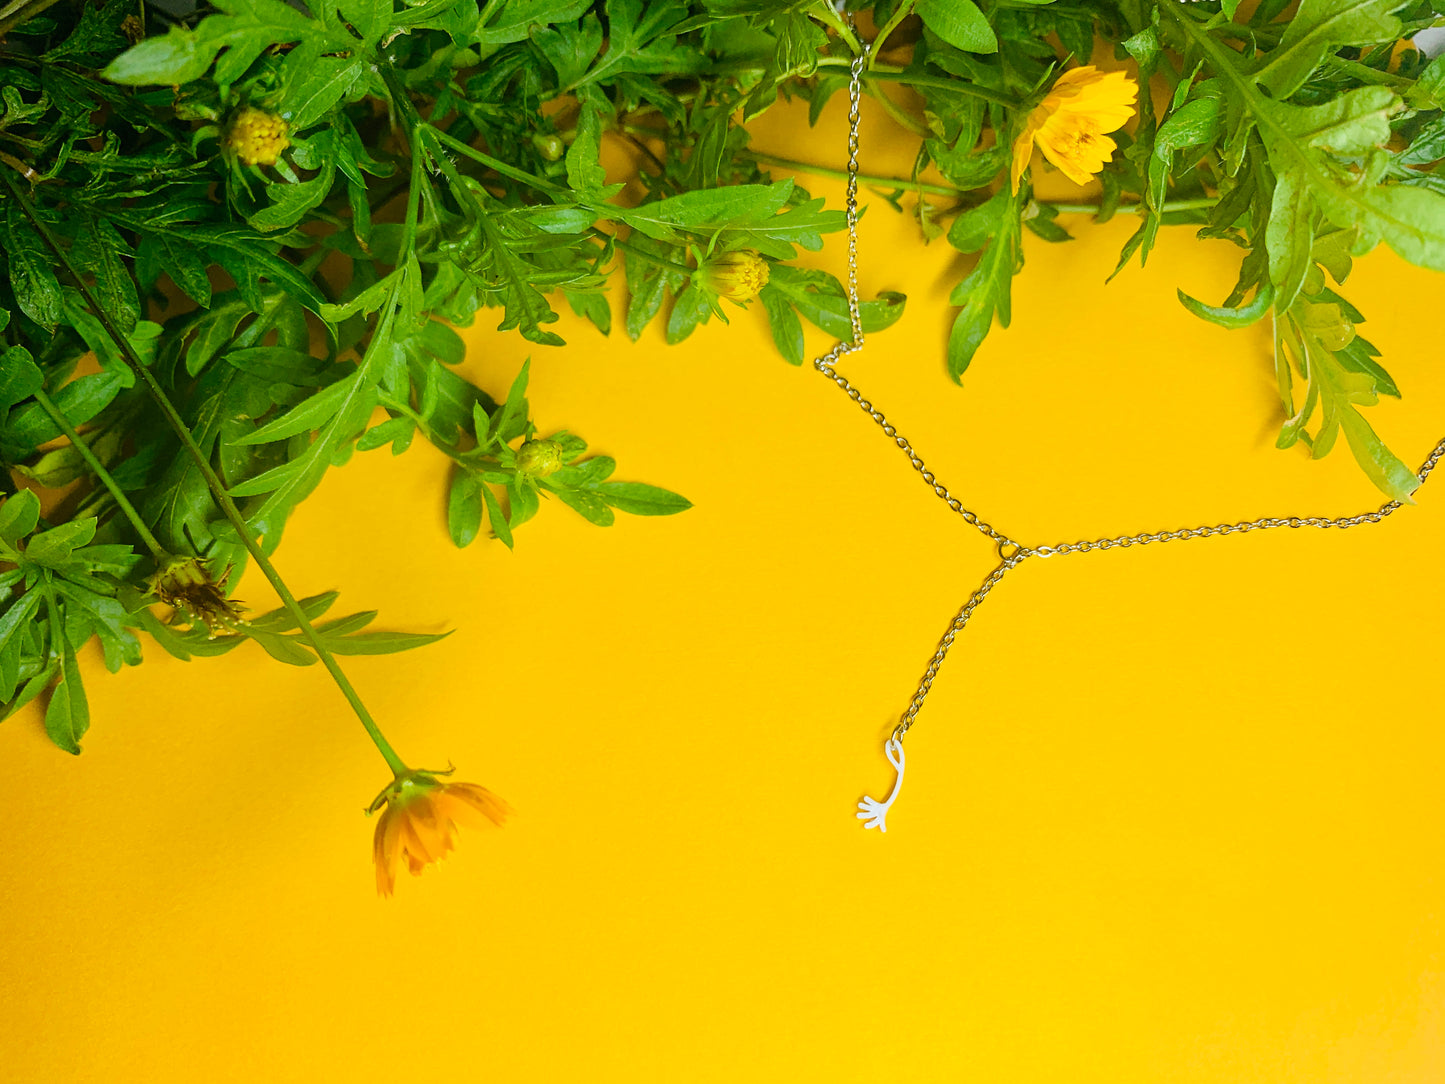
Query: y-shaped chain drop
{"points": [[1011, 553]]}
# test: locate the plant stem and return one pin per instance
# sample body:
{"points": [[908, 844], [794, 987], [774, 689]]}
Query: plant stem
{"points": [[98, 469], [645, 257], [832, 18], [539, 183], [217, 487], [863, 178], [958, 86], [948, 190]]}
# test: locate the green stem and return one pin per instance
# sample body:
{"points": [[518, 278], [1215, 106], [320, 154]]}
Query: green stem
{"points": [[832, 18], [958, 86], [948, 190], [217, 487], [904, 10], [645, 257], [498, 165], [897, 112], [18, 14], [98, 469], [863, 178]]}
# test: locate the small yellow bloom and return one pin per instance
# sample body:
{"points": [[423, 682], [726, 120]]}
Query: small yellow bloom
{"points": [[421, 815], [1069, 124], [737, 276], [257, 137]]}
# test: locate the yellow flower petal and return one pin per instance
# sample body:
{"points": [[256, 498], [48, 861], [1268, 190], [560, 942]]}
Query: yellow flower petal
{"points": [[420, 820], [1069, 124]]}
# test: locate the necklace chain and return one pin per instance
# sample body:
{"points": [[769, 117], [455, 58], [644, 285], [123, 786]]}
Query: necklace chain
{"points": [[1012, 553]]}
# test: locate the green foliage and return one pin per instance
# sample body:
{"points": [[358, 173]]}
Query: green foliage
{"points": [[294, 293]]}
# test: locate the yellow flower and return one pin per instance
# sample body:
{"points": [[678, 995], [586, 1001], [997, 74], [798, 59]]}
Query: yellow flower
{"points": [[421, 815], [257, 137], [1069, 124], [737, 276]]}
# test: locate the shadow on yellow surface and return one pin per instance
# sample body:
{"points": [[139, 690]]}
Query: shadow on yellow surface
{"points": [[1172, 814]]}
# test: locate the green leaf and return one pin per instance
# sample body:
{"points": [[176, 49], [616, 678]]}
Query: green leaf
{"points": [[1317, 29], [464, 507], [52, 548], [641, 500], [1381, 465], [20, 377], [516, 20], [31, 275], [1243, 316], [787, 329], [584, 171], [383, 643], [244, 29], [960, 23], [986, 291], [67, 717], [18, 516], [586, 504], [500, 527], [327, 81]]}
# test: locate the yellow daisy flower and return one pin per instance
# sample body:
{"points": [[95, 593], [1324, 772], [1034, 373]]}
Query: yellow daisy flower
{"points": [[422, 814], [737, 276], [256, 137], [1069, 124]]}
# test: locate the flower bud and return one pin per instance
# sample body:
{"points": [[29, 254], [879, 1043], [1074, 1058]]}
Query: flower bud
{"points": [[549, 145], [539, 458], [256, 137], [184, 583], [737, 276]]}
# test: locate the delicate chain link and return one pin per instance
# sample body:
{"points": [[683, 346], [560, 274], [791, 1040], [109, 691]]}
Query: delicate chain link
{"points": [[924, 686], [1262, 524], [1012, 553]]}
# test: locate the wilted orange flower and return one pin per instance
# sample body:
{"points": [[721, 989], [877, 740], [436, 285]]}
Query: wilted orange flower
{"points": [[1069, 124], [421, 814]]}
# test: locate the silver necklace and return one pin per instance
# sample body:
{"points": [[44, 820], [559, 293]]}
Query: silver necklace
{"points": [[1011, 553]]}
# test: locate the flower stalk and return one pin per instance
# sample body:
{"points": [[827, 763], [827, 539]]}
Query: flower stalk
{"points": [[56, 415], [216, 486]]}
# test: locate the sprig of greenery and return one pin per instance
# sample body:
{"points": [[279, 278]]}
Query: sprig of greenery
{"points": [[234, 243]]}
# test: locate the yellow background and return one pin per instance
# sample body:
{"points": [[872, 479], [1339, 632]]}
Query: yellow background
{"points": [[1172, 814]]}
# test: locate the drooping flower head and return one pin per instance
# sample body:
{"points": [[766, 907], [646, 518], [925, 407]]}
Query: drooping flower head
{"points": [[1069, 125], [186, 584], [422, 813], [737, 276]]}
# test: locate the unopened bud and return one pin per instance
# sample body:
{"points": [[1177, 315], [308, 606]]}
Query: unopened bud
{"points": [[549, 145], [539, 458], [737, 276]]}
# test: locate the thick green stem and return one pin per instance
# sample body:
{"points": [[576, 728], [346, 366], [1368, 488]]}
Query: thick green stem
{"points": [[217, 487], [98, 469]]}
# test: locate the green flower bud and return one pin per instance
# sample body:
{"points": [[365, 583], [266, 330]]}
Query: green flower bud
{"points": [[549, 145], [539, 458], [737, 276]]}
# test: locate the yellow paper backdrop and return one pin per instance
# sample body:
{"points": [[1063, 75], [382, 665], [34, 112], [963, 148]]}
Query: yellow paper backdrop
{"points": [[1172, 814]]}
